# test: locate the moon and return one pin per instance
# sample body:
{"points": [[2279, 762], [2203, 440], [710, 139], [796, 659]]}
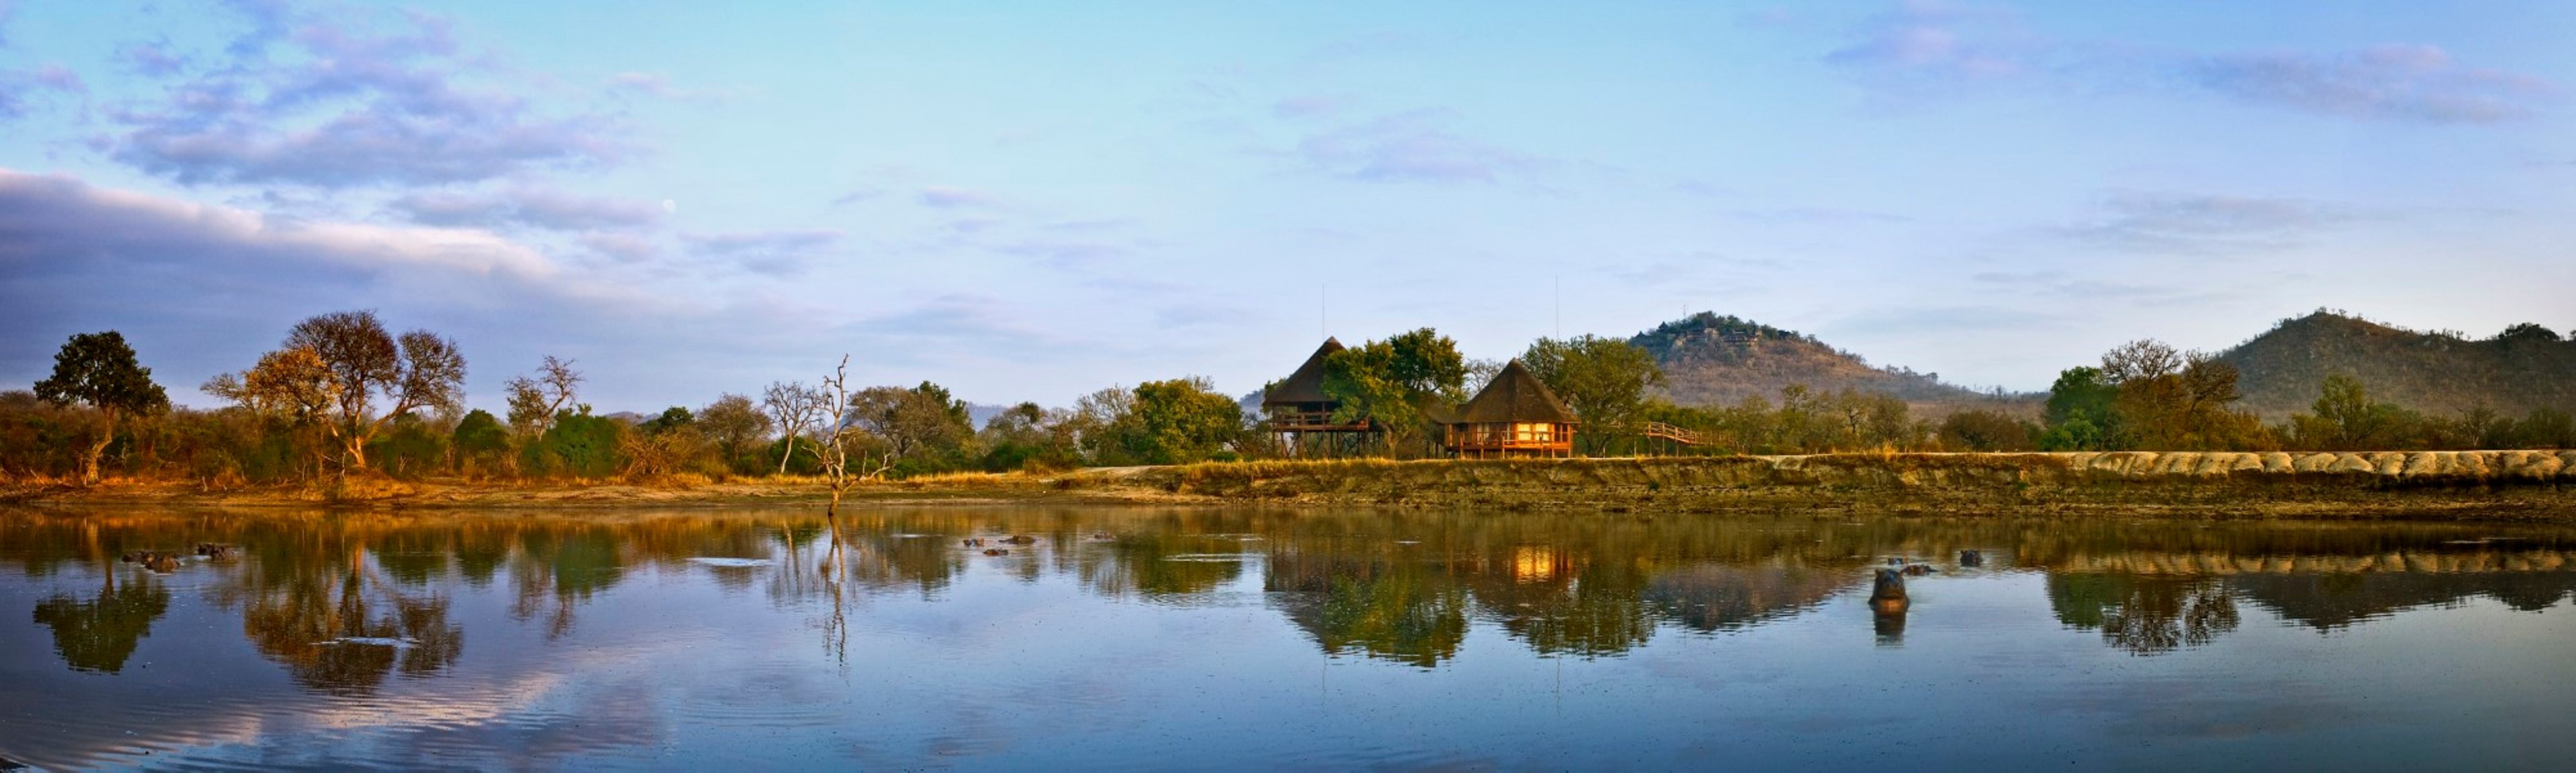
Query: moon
{"points": [[670, 206]]}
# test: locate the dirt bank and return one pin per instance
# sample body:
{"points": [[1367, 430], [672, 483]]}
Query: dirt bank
{"points": [[2426, 484]]}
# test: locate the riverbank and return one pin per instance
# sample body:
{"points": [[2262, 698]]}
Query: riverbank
{"points": [[2521, 485]]}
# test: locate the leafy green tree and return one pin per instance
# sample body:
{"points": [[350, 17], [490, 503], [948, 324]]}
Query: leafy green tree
{"points": [[1603, 380], [100, 370], [924, 427], [409, 448], [1388, 383], [481, 444], [1178, 421], [2082, 413], [578, 445], [1028, 437], [2346, 419]]}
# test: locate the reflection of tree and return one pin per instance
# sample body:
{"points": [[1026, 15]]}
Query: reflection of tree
{"points": [[99, 634], [563, 568], [1560, 603], [2144, 615], [1716, 597], [1165, 563], [308, 627], [1408, 611], [2330, 601]]}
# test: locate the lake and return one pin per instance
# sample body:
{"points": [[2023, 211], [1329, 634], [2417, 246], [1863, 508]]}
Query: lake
{"points": [[1193, 639]]}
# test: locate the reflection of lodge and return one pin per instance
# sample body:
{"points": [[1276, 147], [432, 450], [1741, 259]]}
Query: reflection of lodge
{"points": [[1298, 408], [1515, 415]]}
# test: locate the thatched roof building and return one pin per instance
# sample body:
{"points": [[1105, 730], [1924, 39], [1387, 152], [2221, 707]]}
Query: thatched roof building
{"points": [[1515, 415], [1306, 386]]}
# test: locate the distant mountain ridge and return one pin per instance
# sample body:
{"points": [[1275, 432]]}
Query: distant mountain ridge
{"points": [[1720, 360], [2438, 373]]}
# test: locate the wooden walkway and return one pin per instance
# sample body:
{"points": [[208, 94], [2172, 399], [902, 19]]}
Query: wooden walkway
{"points": [[1662, 431]]}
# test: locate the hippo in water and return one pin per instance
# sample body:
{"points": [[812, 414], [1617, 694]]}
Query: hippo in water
{"points": [[1887, 595]]}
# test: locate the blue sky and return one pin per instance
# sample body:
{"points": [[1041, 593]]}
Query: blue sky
{"points": [[1029, 201]]}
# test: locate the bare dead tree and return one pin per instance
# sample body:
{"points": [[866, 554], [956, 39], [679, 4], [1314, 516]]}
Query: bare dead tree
{"points": [[535, 401], [794, 407], [835, 394]]}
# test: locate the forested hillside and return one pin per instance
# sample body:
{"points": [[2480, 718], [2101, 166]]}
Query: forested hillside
{"points": [[2439, 374], [1720, 360]]}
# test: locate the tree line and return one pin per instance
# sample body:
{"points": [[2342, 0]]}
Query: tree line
{"points": [[343, 394]]}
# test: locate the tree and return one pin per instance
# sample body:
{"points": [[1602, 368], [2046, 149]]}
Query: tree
{"points": [[1179, 421], [1603, 380], [2169, 400], [535, 401], [833, 450], [734, 424], [1026, 436], [418, 370], [2347, 420], [1984, 430], [2081, 414], [1387, 383], [793, 407], [481, 444], [99, 370], [917, 424]]}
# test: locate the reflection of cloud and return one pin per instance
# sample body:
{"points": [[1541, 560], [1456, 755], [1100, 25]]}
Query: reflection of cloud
{"points": [[348, 108], [2399, 82]]}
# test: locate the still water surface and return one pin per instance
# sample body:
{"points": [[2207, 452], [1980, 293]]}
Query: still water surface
{"points": [[1127, 638]]}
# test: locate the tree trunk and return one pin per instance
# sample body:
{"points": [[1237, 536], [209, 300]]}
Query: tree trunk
{"points": [[89, 461], [789, 454]]}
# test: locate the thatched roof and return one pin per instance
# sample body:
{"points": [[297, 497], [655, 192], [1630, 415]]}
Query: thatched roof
{"points": [[1307, 384], [1514, 395]]}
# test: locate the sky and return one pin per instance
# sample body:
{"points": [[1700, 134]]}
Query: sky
{"points": [[1032, 201]]}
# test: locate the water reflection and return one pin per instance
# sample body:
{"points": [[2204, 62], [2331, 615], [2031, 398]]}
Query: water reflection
{"points": [[2144, 615], [346, 601], [100, 633], [587, 629]]}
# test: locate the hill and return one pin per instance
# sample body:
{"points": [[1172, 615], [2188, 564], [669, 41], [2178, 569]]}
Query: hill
{"points": [[2438, 373], [1714, 360]]}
